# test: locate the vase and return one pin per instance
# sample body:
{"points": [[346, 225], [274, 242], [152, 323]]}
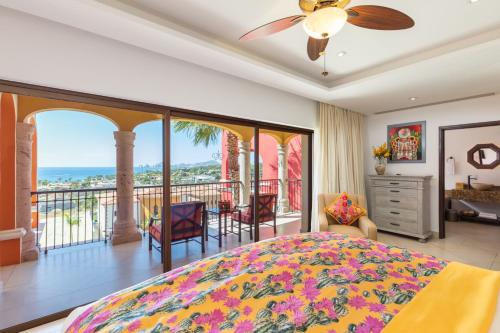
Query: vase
{"points": [[380, 166]]}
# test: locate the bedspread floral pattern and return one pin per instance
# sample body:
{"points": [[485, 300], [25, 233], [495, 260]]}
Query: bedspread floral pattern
{"points": [[318, 282]]}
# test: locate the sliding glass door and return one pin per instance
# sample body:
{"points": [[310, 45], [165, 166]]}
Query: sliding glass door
{"points": [[92, 179]]}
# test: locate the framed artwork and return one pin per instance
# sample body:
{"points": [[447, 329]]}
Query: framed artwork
{"points": [[407, 142]]}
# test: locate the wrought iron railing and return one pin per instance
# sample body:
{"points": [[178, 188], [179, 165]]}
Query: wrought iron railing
{"points": [[295, 194], [73, 217], [64, 218], [267, 186]]}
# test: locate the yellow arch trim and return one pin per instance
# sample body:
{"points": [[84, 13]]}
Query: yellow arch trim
{"points": [[30, 118], [124, 120]]}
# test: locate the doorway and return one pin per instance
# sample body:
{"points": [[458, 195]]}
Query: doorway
{"points": [[468, 174]]}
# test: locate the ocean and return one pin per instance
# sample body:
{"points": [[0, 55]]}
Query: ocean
{"points": [[53, 174]]}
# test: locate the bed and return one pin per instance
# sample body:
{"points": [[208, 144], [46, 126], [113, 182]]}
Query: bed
{"points": [[316, 282]]}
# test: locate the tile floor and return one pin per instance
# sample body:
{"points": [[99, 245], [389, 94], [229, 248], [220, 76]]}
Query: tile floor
{"points": [[470, 243], [71, 277]]}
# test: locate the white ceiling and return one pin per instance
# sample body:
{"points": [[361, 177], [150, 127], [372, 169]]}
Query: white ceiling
{"points": [[452, 52]]}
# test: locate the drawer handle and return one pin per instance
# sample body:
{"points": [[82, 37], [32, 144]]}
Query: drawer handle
{"points": [[397, 201], [395, 213], [394, 191], [396, 224], [394, 183]]}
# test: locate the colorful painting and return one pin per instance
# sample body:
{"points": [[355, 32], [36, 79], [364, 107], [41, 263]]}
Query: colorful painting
{"points": [[407, 142]]}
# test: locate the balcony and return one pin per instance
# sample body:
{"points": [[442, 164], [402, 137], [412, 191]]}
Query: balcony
{"points": [[68, 218]]}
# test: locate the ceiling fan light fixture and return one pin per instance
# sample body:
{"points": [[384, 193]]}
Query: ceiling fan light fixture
{"points": [[325, 22]]}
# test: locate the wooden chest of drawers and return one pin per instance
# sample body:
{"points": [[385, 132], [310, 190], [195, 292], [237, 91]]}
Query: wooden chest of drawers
{"points": [[400, 204]]}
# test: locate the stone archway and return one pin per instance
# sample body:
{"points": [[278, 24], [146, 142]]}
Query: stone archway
{"points": [[125, 228]]}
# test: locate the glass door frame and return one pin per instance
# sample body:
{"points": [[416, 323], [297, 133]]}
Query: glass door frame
{"points": [[166, 218]]}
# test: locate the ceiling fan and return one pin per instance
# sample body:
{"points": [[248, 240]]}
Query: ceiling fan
{"points": [[322, 19]]}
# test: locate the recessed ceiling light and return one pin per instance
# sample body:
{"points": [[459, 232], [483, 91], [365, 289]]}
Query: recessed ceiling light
{"points": [[341, 53], [413, 99], [473, 1]]}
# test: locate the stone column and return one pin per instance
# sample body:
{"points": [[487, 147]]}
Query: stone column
{"points": [[24, 144], [283, 202], [125, 228], [244, 162]]}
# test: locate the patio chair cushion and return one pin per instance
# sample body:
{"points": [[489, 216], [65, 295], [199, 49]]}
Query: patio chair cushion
{"points": [[343, 210], [246, 216], [155, 231], [186, 221], [267, 207]]}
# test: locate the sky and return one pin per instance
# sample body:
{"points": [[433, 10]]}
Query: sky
{"points": [[76, 139]]}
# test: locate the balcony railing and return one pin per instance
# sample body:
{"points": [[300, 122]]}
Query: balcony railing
{"points": [[65, 218], [267, 186], [295, 194], [72, 217]]}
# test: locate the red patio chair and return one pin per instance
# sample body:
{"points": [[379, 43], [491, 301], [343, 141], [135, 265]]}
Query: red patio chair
{"points": [[188, 222], [266, 213]]}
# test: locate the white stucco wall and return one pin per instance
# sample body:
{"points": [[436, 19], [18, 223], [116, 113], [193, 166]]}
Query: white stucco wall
{"points": [[42, 52]]}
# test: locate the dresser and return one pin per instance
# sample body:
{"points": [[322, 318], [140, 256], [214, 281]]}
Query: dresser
{"points": [[400, 204]]}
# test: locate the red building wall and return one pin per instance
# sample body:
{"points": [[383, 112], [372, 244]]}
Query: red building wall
{"points": [[269, 156]]}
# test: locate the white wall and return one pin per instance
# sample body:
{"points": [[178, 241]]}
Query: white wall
{"points": [[458, 143], [41, 52], [471, 111]]}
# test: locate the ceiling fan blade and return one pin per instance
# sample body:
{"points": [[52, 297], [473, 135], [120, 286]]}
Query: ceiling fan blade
{"points": [[379, 18], [315, 47], [273, 27]]}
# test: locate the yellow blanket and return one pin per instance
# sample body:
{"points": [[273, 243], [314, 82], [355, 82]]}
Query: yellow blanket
{"points": [[461, 299]]}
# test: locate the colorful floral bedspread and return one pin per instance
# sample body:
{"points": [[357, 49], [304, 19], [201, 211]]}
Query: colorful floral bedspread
{"points": [[318, 282]]}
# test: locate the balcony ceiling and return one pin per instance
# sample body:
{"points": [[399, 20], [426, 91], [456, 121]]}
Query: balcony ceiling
{"points": [[452, 52]]}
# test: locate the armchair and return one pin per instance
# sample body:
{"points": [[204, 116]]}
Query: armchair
{"points": [[363, 227]]}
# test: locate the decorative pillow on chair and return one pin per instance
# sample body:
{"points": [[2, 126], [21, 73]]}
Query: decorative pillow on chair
{"points": [[344, 210]]}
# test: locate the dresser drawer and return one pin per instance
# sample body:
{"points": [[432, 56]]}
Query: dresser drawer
{"points": [[395, 183], [401, 198], [396, 214], [393, 192], [395, 225]]}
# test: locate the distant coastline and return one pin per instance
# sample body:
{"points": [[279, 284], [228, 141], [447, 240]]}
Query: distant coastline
{"points": [[68, 174], [53, 174]]}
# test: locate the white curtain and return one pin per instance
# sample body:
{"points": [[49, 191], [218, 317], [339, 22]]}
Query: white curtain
{"points": [[340, 153]]}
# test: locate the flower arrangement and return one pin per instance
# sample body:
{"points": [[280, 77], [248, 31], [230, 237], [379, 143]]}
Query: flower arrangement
{"points": [[381, 152]]}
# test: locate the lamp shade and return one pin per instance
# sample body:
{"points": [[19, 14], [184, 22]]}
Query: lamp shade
{"points": [[324, 23]]}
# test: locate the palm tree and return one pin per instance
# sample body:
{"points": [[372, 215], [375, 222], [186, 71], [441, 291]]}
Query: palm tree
{"points": [[203, 134], [72, 221]]}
